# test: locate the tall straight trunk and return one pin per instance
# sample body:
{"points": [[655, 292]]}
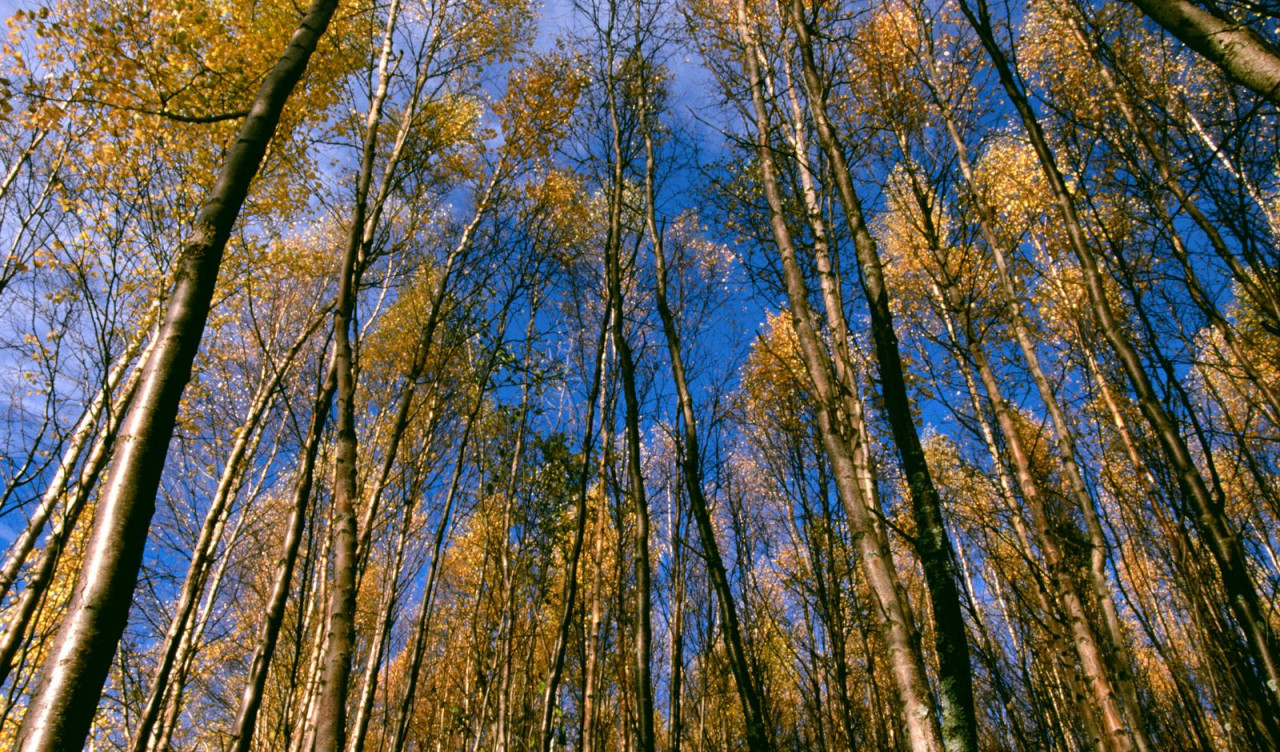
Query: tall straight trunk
{"points": [[65, 702], [1061, 651], [635, 475], [564, 627], [331, 704], [932, 544], [1209, 515], [844, 369], [382, 635], [895, 621], [417, 646], [690, 460], [339, 640], [1113, 635], [246, 721], [675, 629]]}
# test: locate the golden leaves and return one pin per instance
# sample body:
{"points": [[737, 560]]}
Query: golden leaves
{"points": [[774, 381], [887, 48], [1008, 179], [537, 108]]}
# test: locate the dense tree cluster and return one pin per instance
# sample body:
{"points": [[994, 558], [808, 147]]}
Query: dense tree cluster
{"points": [[640, 375]]}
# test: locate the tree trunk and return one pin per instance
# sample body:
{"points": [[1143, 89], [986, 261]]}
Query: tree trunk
{"points": [[247, 437], [1242, 53], [81, 438], [63, 705], [247, 717], [959, 722], [896, 622], [690, 460], [45, 568]]}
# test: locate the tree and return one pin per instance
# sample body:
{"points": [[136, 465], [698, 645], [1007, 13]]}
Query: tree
{"points": [[73, 675]]}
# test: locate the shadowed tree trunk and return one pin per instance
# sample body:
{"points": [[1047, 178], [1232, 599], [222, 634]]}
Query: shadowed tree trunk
{"points": [[895, 621], [247, 436], [690, 458]]}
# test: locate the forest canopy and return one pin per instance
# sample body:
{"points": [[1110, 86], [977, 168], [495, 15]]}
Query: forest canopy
{"points": [[680, 375]]}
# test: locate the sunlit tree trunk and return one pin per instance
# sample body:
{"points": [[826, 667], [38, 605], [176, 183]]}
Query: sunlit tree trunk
{"points": [[45, 567], [247, 438], [959, 722], [897, 623], [246, 721], [72, 678], [82, 438], [1242, 53]]}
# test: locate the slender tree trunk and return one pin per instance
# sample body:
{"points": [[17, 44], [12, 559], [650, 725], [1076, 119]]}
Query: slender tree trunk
{"points": [[675, 628], [563, 630], [959, 722], [241, 736], [382, 634], [339, 644], [635, 478], [247, 437], [64, 703], [24, 610], [896, 622], [690, 459], [82, 437]]}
